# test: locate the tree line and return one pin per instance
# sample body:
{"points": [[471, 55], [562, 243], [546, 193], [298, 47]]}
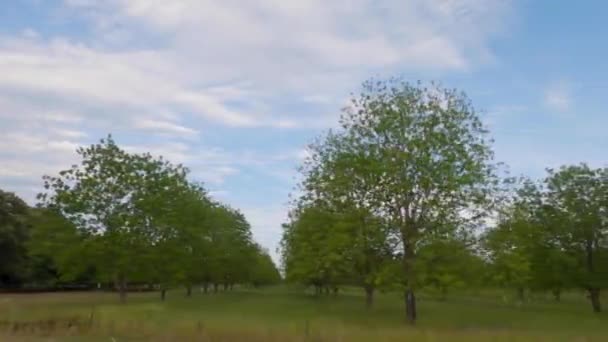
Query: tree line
{"points": [[406, 194], [126, 218]]}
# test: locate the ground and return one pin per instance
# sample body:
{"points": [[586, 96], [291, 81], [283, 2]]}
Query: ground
{"points": [[284, 314]]}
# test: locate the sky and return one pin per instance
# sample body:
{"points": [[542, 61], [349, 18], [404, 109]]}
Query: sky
{"points": [[236, 89]]}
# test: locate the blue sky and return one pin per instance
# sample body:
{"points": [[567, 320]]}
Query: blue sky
{"points": [[236, 89]]}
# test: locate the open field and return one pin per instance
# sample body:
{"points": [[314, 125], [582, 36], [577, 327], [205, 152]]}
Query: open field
{"points": [[280, 315]]}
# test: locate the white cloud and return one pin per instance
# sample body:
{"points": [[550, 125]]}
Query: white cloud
{"points": [[308, 45], [19, 143], [30, 33], [69, 133], [155, 72], [433, 34], [215, 175], [499, 118], [210, 166], [266, 226], [558, 96], [206, 105], [25, 158], [218, 193], [164, 126], [30, 170], [143, 81], [316, 98], [208, 54], [175, 152]]}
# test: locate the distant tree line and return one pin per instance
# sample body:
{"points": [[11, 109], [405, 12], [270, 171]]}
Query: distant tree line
{"points": [[406, 195], [123, 218]]}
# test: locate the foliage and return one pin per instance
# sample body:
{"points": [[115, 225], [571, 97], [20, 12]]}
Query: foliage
{"points": [[136, 218], [57, 248], [578, 196], [449, 264], [553, 236], [403, 196], [417, 157], [264, 271], [315, 248], [13, 235]]}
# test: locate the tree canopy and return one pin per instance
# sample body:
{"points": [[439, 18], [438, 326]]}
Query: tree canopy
{"points": [[131, 218], [415, 156]]}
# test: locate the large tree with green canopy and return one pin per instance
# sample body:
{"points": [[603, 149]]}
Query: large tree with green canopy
{"points": [[425, 159], [112, 197]]}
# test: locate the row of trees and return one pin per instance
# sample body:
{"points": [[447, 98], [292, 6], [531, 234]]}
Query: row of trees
{"points": [[553, 235], [131, 218], [402, 195]]}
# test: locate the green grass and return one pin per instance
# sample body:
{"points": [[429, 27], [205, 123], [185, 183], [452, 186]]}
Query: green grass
{"points": [[282, 315]]}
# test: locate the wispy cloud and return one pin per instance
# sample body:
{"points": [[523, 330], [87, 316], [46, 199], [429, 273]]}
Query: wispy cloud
{"points": [[164, 127], [558, 96], [156, 72]]}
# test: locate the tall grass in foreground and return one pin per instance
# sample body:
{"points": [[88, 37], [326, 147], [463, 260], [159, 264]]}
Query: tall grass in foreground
{"points": [[277, 315], [125, 332], [81, 330]]}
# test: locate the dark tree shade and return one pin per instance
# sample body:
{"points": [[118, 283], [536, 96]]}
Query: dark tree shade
{"points": [[13, 237]]}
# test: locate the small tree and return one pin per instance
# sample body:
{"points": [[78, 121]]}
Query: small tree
{"points": [[52, 260], [315, 248], [510, 259], [554, 268], [449, 263], [579, 198], [364, 237]]}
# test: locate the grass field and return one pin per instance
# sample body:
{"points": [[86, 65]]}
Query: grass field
{"points": [[282, 315]]}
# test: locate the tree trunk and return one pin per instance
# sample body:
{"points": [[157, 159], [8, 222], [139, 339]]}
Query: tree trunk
{"points": [[163, 293], [121, 284], [369, 297], [225, 287], [594, 293], [336, 289], [230, 286], [326, 290], [410, 306], [409, 256], [557, 294], [594, 296], [205, 287], [215, 287], [189, 291], [521, 294]]}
